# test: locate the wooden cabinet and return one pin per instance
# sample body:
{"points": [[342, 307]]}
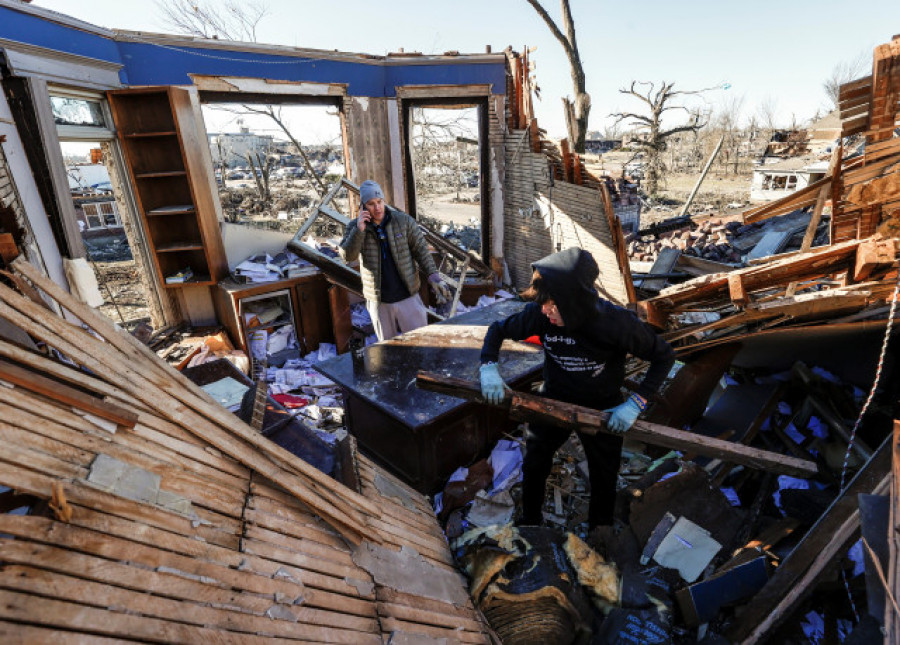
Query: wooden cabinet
{"points": [[308, 309], [168, 159]]}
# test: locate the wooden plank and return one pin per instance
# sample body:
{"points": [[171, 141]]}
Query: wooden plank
{"points": [[438, 634], [102, 360], [815, 264], [320, 590], [86, 540], [443, 91], [524, 406], [127, 575], [736, 291], [794, 200], [18, 633], [57, 391], [829, 537], [69, 615], [872, 255], [333, 500], [311, 621]]}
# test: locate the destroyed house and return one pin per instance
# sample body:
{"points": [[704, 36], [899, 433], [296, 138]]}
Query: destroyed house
{"points": [[136, 507], [175, 521]]}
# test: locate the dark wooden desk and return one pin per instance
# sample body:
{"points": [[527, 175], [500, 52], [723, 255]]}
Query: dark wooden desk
{"points": [[424, 436]]}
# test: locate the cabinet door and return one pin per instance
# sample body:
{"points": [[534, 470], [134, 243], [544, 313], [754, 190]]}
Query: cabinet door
{"points": [[315, 312]]}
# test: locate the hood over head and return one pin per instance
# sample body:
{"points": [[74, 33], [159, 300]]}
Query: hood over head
{"points": [[569, 277]]}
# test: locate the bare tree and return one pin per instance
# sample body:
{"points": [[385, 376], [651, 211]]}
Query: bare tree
{"points": [[227, 20], [767, 113], [727, 124], [261, 167], [445, 154], [576, 110], [842, 73], [275, 114], [658, 100]]}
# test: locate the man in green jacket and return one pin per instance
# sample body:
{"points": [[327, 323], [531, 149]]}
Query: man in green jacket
{"points": [[389, 245]]}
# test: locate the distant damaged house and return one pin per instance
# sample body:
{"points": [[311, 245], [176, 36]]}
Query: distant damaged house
{"points": [[793, 160], [784, 176]]}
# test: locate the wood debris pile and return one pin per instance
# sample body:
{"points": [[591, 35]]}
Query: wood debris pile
{"points": [[137, 508]]}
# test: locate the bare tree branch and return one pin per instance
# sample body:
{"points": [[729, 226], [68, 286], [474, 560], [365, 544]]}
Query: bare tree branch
{"points": [[578, 109], [557, 33], [842, 73], [227, 20]]}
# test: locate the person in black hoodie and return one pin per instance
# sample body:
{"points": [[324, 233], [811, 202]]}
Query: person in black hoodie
{"points": [[586, 340]]}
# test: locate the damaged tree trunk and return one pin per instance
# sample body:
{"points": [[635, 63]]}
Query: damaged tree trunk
{"points": [[577, 110], [525, 407]]}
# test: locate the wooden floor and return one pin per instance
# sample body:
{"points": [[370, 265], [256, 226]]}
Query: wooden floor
{"points": [[250, 561]]}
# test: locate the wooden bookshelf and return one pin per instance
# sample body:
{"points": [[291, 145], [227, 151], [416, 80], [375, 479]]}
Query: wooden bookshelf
{"points": [[160, 136]]}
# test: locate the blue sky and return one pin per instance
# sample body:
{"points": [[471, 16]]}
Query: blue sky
{"points": [[775, 51]]}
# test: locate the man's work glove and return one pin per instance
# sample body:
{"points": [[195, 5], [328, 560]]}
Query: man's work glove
{"points": [[623, 416], [493, 389], [441, 292]]}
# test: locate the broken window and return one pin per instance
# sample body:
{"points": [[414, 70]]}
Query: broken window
{"points": [[445, 162], [74, 111], [273, 161], [779, 182]]}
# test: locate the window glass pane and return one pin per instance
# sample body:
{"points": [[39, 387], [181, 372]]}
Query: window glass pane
{"points": [[71, 111]]}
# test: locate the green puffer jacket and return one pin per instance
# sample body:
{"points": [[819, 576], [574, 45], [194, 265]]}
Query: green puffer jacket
{"points": [[408, 247]]}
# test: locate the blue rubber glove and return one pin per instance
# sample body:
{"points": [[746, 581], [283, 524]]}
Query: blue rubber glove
{"points": [[493, 389], [623, 416]]}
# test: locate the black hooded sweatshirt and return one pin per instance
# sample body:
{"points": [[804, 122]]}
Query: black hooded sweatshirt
{"points": [[585, 359]]}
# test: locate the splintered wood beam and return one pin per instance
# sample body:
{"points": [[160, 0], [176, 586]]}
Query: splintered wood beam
{"points": [[529, 407], [66, 395], [652, 313], [872, 255], [8, 248], [736, 291]]}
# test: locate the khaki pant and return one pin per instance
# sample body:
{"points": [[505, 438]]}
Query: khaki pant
{"points": [[391, 319]]}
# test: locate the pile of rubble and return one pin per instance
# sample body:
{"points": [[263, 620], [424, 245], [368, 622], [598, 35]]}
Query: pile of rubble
{"points": [[694, 538], [710, 240], [724, 240]]}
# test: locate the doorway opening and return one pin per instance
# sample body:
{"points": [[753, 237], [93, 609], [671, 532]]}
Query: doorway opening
{"points": [[446, 169]]}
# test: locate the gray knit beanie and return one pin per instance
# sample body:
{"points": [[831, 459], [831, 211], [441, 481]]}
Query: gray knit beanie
{"points": [[369, 190]]}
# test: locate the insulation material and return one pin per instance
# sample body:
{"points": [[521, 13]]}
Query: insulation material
{"points": [[525, 584], [593, 571], [82, 281]]}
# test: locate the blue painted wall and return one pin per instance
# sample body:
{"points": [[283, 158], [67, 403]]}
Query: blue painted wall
{"points": [[150, 64]]}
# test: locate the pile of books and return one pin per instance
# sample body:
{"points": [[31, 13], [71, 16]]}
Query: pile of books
{"points": [[185, 275]]}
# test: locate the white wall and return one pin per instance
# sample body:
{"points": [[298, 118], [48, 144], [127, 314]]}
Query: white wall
{"points": [[45, 254]]}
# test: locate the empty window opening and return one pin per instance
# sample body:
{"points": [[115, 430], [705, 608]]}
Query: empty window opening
{"points": [[445, 151], [274, 162]]}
